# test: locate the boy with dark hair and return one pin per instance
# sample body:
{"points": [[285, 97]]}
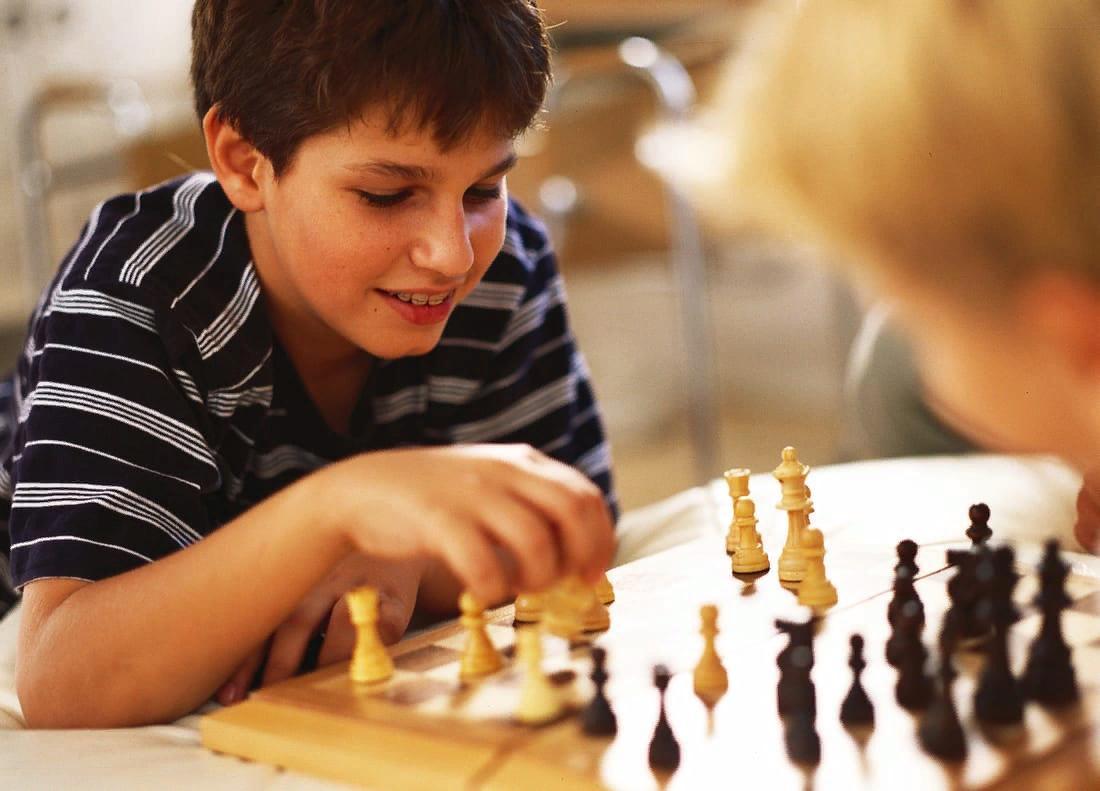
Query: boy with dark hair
{"points": [[246, 392]]}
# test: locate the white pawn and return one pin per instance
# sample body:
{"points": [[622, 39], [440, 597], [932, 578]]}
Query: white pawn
{"points": [[815, 590], [481, 657], [710, 679], [749, 555], [539, 702], [370, 662], [738, 483], [529, 607]]}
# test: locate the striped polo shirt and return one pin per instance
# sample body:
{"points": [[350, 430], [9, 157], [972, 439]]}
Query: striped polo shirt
{"points": [[153, 402]]}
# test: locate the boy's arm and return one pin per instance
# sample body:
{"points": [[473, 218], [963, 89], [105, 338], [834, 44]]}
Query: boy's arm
{"points": [[149, 645], [153, 643]]}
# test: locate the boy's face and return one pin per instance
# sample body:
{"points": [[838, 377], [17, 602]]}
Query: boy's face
{"points": [[1002, 381], [368, 241]]}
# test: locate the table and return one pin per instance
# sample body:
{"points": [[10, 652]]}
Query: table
{"points": [[861, 505]]}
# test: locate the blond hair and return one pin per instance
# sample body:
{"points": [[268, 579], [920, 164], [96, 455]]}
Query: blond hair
{"points": [[956, 139]]}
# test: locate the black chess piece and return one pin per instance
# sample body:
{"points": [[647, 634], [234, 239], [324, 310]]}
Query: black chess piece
{"points": [[1049, 677], [597, 718], [803, 743], [913, 690], [940, 732], [998, 698], [905, 574], [965, 591], [979, 530], [907, 627], [857, 709], [795, 693], [664, 750]]}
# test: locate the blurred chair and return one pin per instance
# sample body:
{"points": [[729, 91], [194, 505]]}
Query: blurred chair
{"points": [[673, 92], [137, 159]]}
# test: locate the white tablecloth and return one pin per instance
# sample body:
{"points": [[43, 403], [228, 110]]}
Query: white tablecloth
{"points": [[865, 503]]}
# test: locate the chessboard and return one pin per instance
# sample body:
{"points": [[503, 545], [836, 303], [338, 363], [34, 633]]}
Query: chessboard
{"points": [[426, 729]]}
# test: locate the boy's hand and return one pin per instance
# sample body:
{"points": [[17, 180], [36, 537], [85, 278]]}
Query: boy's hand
{"points": [[461, 504], [325, 610], [1087, 528]]}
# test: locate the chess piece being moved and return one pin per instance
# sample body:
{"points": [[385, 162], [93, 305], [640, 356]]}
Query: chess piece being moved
{"points": [[539, 702], [940, 732], [370, 662], [664, 750], [604, 592], [567, 606], [1049, 677], [480, 657], [528, 608], [710, 677], [594, 614], [979, 531], [998, 698], [738, 483], [791, 474], [598, 719], [749, 556], [815, 591], [857, 709]]}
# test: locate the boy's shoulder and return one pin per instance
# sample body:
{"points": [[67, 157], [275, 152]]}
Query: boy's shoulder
{"points": [[176, 251]]}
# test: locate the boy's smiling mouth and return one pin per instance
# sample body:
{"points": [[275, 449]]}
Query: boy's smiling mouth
{"points": [[420, 307]]}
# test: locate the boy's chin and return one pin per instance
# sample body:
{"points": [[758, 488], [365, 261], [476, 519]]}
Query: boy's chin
{"points": [[395, 351]]}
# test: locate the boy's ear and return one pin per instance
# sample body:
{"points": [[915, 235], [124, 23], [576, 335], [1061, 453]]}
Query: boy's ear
{"points": [[239, 167], [1062, 310]]}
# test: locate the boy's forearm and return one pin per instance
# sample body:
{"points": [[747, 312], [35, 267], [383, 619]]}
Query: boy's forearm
{"points": [[201, 610]]}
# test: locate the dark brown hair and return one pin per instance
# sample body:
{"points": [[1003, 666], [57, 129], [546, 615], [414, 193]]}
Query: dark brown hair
{"points": [[281, 71]]}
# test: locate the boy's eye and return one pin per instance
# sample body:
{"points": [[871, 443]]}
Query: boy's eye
{"points": [[383, 201], [483, 194]]}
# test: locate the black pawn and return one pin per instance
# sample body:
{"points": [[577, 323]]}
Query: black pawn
{"points": [[905, 574], [795, 693], [857, 708], [913, 690], [998, 698], [597, 718], [906, 635], [803, 743], [940, 732], [965, 590], [979, 530], [1049, 677], [664, 751]]}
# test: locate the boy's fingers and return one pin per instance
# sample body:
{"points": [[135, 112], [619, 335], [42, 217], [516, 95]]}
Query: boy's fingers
{"points": [[339, 636], [238, 684], [530, 539], [288, 644], [576, 506], [466, 549]]}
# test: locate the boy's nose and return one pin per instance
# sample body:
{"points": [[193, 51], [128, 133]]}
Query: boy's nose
{"points": [[444, 245]]}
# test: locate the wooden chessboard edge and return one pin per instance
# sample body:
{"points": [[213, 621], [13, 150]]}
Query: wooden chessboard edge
{"points": [[360, 753]]}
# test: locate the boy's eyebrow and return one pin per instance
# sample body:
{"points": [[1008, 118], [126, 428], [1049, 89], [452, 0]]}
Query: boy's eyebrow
{"points": [[384, 167]]}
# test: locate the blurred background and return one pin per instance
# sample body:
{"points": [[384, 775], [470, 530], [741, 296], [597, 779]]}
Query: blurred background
{"points": [[707, 351]]}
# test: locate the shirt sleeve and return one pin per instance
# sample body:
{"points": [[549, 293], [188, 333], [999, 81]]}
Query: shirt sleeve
{"points": [[538, 387], [110, 460]]}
